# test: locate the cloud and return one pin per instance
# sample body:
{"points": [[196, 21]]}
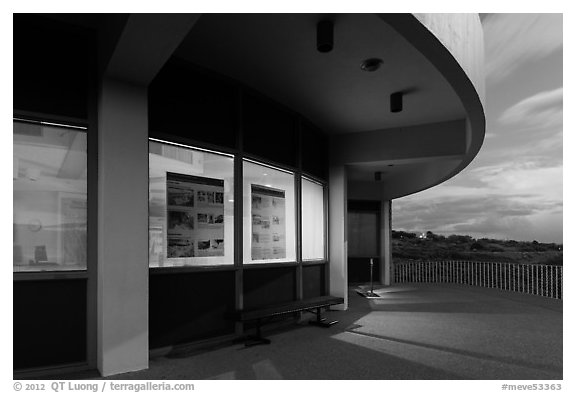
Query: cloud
{"points": [[516, 200], [521, 178], [542, 110], [528, 132], [521, 217], [513, 39]]}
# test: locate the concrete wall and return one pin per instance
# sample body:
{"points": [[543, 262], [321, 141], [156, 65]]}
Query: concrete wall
{"points": [[407, 144], [462, 35]]}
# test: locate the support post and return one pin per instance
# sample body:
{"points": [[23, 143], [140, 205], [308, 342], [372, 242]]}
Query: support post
{"points": [[338, 235], [122, 270], [386, 242]]}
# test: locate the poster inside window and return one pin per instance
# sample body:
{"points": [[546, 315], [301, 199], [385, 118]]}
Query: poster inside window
{"points": [[191, 207], [268, 223], [195, 216], [269, 214]]}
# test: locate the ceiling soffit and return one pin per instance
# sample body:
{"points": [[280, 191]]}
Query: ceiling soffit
{"points": [[276, 55]]}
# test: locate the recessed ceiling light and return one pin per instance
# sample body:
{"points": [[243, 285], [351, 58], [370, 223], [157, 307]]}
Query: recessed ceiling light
{"points": [[371, 65]]}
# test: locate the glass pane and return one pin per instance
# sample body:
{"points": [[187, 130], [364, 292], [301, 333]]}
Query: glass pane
{"points": [[362, 234], [312, 220], [49, 191], [191, 207], [269, 215]]}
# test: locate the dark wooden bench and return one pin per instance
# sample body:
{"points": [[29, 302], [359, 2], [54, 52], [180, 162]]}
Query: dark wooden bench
{"points": [[265, 313]]}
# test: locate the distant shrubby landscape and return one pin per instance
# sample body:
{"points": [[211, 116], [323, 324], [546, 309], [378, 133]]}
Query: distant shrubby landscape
{"points": [[408, 246]]}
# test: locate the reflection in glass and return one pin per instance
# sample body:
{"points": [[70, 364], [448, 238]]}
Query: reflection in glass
{"points": [[49, 198], [312, 220]]}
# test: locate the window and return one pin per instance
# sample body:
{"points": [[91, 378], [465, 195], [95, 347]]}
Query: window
{"points": [[191, 206], [269, 214], [313, 224], [49, 197]]}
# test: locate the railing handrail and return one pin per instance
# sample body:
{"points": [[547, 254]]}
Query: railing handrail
{"points": [[536, 279]]}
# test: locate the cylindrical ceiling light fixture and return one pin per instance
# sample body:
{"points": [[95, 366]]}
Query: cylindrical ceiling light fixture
{"points": [[396, 102], [324, 36]]}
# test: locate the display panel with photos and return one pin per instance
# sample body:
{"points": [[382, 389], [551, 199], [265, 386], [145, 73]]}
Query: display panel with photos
{"points": [[268, 223], [191, 207], [269, 214], [313, 221], [195, 215], [49, 198]]}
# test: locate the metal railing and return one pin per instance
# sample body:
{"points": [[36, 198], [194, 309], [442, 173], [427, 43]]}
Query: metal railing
{"points": [[541, 280]]}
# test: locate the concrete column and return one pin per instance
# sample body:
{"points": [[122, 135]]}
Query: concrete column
{"points": [[338, 234], [122, 289], [386, 242]]}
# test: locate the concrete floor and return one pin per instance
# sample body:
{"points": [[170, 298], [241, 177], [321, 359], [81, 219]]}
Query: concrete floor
{"points": [[416, 331]]}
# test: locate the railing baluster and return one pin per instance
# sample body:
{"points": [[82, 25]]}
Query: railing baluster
{"points": [[532, 280], [523, 285], [458, 280], [541, 271], [419, 272], [546, 276], [555, 282], [540, 280], [537, 280], [476, 275], [561, 283]]}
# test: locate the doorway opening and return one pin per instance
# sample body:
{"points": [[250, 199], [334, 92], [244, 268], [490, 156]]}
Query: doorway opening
{"points": [[364, 242]]}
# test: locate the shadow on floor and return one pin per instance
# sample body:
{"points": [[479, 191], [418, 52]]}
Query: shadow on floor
{"points": [[416, 332]]}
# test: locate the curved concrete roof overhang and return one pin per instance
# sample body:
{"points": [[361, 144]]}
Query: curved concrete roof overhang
{"points": [[420, 157], [435, 59], [454, 43]]}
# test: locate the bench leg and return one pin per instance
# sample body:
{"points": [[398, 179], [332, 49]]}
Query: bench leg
{"points": [[257, 339], [321, 321]]}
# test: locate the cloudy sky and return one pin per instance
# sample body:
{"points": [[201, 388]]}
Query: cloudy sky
{"points": [[513, 188]]}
